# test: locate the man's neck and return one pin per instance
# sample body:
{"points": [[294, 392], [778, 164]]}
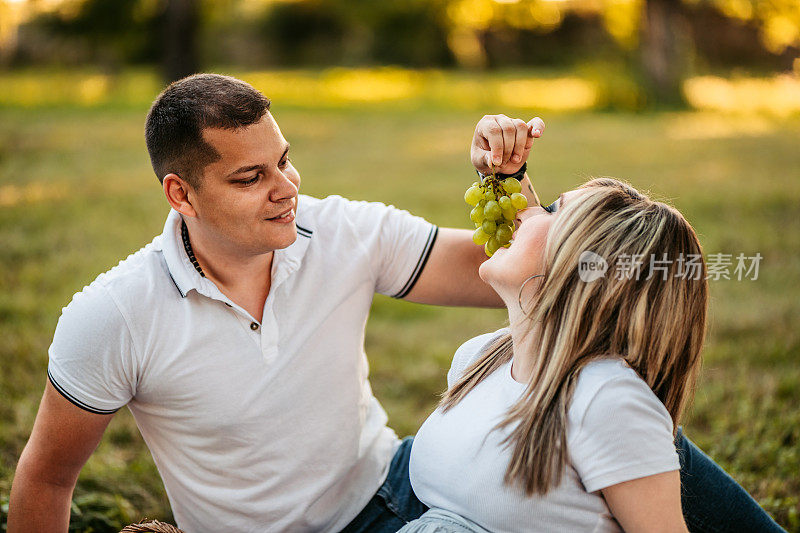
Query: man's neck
{"points": [[244, 278]]}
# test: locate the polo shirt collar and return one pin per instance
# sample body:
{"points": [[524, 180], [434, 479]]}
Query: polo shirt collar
{"points": [[284, 263]]}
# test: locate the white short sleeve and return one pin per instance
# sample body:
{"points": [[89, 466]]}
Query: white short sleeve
{"points": [[398, 243], [92, 354], [623, 433], [468, 352]]}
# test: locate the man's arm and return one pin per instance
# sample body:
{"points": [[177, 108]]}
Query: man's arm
{"points": [[450, 276], [63, 438]]}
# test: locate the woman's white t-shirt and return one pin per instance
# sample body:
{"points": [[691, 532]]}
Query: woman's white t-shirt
{"points": [[617, 430]]}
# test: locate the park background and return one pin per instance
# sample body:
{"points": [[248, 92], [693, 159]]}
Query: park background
{"points": [[695, 101]]}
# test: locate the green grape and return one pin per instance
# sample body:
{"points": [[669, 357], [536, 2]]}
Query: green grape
{"points": [[507, 245], [519, 201], [473, 195], [511, 185], [495, 205], [492, 246], [503, 234], [476, 215], [480, 237], [492, 210]]}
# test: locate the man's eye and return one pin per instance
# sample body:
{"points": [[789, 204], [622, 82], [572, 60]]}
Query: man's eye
{"points": [[552, 207], [284, 163], [250, 181]]}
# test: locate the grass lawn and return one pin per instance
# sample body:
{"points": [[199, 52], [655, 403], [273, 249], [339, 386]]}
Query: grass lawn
{"points": [[77, 195]]}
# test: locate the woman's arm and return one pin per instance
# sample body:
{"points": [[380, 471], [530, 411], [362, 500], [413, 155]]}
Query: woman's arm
{"points": [[648, 504]]}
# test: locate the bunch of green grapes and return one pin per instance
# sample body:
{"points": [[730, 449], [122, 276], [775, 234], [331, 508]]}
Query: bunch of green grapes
{"points": [[495, 204]]}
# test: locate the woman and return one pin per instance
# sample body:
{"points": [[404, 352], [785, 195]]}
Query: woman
{"points": [[566, 420]]}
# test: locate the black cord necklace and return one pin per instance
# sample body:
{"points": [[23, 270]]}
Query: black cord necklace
{"points": [[188, 247]]}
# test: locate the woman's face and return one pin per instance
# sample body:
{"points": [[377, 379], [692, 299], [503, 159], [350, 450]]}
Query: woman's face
{"points": [[508, 268]]}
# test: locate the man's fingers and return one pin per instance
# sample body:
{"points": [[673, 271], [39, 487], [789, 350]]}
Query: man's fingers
{"points": [[509, 136], [529, 140], [495, 138], [535, 129], [500, 141], [520, 141], [536, 126]]}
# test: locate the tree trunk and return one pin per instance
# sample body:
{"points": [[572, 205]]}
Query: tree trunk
{"points": [[665, 49], [181, 21]]}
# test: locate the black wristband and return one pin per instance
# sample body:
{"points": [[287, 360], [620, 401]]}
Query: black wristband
{"points": [[518, 175]]}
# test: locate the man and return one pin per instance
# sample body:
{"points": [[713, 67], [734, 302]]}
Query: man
{"points": [[236, 337]]}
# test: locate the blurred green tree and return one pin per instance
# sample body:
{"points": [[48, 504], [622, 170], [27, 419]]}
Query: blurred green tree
{"points": [[180, 27], [658, 36], [653, 43], [108, 32], [665, 47], [357, 32]]}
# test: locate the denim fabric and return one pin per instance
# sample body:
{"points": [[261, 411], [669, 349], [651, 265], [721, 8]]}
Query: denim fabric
{"points": [[712, 501], [395, 503]]}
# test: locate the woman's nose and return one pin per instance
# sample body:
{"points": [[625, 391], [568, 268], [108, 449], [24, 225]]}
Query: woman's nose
{"points": [[524, 214]]}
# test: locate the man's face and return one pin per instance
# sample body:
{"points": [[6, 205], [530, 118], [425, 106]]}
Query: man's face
{"points": [[243, 194]]}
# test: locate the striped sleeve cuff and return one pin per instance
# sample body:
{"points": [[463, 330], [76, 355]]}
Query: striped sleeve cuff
{"points": [[423, 258], [75, 401]]}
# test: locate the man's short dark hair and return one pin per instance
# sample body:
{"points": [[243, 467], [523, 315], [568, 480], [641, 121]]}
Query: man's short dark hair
{"points": [[177, 118]]}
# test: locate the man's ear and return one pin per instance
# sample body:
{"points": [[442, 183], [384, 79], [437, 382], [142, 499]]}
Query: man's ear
{"points": [[178, 193]]}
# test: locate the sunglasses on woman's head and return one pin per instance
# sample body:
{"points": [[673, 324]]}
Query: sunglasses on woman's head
{"points": [[552, 208]]}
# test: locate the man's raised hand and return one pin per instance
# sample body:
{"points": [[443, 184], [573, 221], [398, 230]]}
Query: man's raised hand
{"points": [[504, 142]]}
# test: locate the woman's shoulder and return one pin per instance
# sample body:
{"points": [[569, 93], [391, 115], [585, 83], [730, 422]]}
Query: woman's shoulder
{"points": [[605, 369], [611, 385], [468, 352], [617, 427]]}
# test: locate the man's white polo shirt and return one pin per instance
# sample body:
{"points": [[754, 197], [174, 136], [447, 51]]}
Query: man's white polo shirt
{"points": [[268, 426]]}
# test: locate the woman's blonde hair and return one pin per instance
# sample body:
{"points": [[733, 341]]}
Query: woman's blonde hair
{"points": [[655, 321]]}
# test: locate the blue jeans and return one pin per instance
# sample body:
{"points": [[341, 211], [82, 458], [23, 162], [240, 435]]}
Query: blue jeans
{"points": [[712, 501]]}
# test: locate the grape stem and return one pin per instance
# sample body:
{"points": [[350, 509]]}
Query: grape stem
{"points": [[493, 183]]}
